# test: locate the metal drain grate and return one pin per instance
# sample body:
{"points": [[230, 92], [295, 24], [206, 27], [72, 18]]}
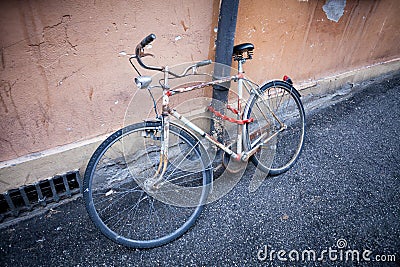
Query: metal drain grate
{"points": [[26, 198]]}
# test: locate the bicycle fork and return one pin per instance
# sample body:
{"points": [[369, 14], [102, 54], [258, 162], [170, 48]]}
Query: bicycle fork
{"points": [[155, 182]]}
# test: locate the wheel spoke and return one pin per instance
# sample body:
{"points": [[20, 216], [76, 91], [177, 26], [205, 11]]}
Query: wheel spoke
{"points": [[286, 109], [113, 192]]}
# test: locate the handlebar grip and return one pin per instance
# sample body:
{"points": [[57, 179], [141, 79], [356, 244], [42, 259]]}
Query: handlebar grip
{"points": [[150, 38], [203, 63]]}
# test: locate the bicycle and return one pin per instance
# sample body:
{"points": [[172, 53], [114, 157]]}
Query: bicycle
{"points": [[148, 182]]}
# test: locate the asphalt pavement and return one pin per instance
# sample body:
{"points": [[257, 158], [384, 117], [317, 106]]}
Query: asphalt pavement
{"points": [[338, 206]]}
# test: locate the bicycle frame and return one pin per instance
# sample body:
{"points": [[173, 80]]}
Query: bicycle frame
{"points": [[239, 154]]}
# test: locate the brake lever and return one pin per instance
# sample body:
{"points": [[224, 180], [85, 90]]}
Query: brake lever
{"points": [[146, 54]]}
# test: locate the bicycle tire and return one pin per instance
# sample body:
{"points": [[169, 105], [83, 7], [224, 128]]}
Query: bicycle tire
{"points": [[115, 199], [284, 100]]}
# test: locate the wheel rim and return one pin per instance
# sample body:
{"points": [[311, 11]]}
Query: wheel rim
{"points": [[283, 100], [132, 229]]}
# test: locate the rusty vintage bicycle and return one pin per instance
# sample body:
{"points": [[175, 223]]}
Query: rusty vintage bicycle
{"points": [[148, 182]]}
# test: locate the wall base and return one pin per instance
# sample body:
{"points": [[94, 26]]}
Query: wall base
{"points": [[332, 89]]}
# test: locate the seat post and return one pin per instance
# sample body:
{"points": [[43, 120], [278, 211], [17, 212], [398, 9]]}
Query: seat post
{"points": [[239, 147], [240, 65]]}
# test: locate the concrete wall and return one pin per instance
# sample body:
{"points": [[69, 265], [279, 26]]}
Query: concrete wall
{"points": [[62, 78], [64, 83], [310, 40]]}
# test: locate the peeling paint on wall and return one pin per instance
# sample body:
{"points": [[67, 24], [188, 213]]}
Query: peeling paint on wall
{"points": [[334, 9]]}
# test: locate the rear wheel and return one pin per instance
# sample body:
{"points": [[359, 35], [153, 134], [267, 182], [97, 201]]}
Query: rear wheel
{"points": [[277, 109], [117, 200]]}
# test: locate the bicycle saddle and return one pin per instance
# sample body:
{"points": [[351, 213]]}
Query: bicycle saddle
{"points": [[240, 48]]}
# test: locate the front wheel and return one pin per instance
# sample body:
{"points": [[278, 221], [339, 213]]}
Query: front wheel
{"points": [[123, 208], [277, 111]]}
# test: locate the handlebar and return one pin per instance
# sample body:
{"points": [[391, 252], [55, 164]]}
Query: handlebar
{"points": [[139, 50], [146, 41], [150, 38], [203, 63]]}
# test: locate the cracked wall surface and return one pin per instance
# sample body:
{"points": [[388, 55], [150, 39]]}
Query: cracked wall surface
{"points": [[62, 79]]}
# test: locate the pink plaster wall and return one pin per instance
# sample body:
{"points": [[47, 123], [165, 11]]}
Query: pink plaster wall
{"points": [[298, 39], [61, 76], [62, 79]]}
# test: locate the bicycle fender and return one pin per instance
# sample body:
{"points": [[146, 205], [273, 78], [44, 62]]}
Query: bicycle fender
{"points": [[283, 83]]}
